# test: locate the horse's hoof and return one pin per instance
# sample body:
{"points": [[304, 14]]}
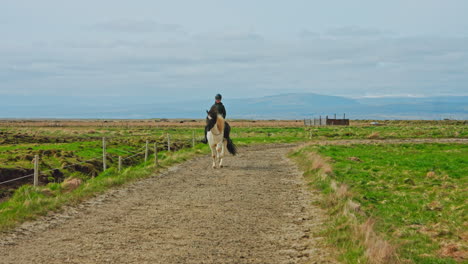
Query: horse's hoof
{"points": [[221, 166]]}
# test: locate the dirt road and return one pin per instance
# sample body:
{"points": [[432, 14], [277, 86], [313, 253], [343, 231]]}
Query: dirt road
{"points": [[256, 210]]}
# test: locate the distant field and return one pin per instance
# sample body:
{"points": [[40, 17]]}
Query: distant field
{"points": [[162, 122], [65, 142], [73, 148], [416, 193]]}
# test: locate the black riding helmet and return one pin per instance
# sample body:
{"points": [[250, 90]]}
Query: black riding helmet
{"points": [[218, 97]]}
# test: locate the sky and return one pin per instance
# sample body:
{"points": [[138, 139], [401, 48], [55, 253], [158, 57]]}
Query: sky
{"points": [[179, 50]]}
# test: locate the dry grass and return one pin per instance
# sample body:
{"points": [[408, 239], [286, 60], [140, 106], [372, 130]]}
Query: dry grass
{"points": [[71, 184], [374, 135], [353, 206], [355, 159], [454, 251], [343, 191], [320, 163], [377, 249]]}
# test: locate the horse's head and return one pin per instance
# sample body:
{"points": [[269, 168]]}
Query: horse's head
{"points": [[211, 118]]}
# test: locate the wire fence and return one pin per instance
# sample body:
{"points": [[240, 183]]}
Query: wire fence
{"points": [[144, 150]]}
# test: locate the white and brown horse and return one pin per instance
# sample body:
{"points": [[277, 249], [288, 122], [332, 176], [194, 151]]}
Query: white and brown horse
{"points": [[218, 137]]}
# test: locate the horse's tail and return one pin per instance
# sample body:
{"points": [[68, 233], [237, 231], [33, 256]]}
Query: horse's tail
{"points": [[232, 148]]}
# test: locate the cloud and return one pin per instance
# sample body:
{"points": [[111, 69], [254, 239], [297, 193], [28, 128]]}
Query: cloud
{"points": [[243, 62], [309, 34], [135, 26], [229, 36], [356, 32]]}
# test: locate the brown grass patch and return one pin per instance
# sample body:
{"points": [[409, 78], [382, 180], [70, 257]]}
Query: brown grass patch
{"points": [[71, 184], [377, 249], [355, 159], [374, 135], [319, 163], [454, 251], [354, 206], [343, 191]]}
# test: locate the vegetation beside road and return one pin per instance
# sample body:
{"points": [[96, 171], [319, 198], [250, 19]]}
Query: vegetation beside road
{"points": [[63, 145], [28, 202], [413, 194]]}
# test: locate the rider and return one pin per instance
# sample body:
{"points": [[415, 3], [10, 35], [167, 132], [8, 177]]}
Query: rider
{"points": [[221, 111]]}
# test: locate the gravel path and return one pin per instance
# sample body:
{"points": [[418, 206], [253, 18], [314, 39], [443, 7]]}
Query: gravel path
{"points": [[255, 210]]}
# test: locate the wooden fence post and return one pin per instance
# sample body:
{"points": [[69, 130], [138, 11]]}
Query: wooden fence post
{"points": [[36, 170], [146, 151], [104, 165], [168, 142], [120, 163], [156, 162], [193, 139]]}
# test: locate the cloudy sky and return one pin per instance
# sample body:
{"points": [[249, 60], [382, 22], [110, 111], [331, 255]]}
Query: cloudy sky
{"points": [[164, 50]]}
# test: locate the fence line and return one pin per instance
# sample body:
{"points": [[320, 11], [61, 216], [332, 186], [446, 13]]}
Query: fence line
{"points": [[326, 121], [15, 179], [143, 150]]}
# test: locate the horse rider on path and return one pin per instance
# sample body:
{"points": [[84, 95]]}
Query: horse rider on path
{"points": [[222, 111]]}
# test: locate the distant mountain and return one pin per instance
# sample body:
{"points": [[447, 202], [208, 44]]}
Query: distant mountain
{"points": [[284, 106]]}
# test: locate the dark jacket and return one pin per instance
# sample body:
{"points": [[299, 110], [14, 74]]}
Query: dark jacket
{"points": [[221, 109]]}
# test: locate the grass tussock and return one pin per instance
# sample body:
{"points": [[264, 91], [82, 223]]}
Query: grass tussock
{"points": [[320, 163], [377, 249], [374, 135]]}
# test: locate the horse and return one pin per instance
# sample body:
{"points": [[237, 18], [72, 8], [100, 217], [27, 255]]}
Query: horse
{"points": [[218, 137]]}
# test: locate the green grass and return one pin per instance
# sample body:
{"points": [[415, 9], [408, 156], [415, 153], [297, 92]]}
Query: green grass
{"points": [[85, 143], [416, 192], [29, 202], [390, 132]]}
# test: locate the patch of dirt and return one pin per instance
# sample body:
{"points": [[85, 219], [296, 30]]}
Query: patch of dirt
{"points": [[255, 210]]}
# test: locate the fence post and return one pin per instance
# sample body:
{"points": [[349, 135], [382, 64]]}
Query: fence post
{"points": [[146, 151], [168, 142], [36, 170], [104, 165], [120, 163], [193, 139], [156, 162]]}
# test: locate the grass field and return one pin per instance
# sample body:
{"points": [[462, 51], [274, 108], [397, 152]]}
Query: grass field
{"points": [[415, 193], [61, 144], [76, 152]]}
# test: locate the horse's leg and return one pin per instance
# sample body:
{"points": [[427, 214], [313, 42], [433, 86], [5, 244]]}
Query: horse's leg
{"points": [[213, 155], [223, 149], [219, 153]]}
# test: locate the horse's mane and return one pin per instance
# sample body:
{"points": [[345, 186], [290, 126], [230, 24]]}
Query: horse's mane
{"points": [[213, 113]]}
